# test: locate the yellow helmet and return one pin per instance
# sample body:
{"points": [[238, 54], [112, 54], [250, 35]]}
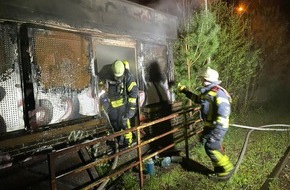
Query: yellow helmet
{"points": [[118, 68]]}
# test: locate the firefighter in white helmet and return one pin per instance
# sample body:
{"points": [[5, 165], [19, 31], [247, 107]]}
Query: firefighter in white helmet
{"points": [[122, 92], [215, 109]]}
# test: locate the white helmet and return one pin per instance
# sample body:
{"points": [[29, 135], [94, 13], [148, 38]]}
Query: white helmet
{"points": [[211, 75]]}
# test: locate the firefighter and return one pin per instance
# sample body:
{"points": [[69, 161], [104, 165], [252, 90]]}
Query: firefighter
{"points": [[122, 94], [215, 111]]}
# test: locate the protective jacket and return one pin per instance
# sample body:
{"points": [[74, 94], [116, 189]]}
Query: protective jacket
{"points": [[215, 105], [123, 92]]}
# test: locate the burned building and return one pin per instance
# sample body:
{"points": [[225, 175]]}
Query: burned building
{"points": [[51, 54]]}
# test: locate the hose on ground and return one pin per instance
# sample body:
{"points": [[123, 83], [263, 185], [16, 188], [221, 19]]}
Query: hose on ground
{"points": [[261, 128]]}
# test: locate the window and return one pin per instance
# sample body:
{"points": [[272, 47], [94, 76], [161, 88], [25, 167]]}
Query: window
{"points": [[62, 77]]}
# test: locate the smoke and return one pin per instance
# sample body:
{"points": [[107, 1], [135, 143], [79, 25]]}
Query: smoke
{"points": [[175, 7], [172, 7]]}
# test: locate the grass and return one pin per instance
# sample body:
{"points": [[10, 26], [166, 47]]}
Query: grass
{"points": [[263, 152]]}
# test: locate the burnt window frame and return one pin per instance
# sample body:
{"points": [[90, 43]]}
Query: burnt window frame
{"points": [[26, 62], [123, 42]]}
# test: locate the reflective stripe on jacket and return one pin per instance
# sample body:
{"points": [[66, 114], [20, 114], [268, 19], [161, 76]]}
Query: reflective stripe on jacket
{"points": [[215, 106], [125, 92]]}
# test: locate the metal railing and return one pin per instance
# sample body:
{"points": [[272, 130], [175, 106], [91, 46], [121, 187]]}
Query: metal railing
{"points": [[188, 117]]}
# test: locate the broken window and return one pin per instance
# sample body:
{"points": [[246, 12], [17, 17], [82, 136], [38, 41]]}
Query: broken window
{"points": [[63, 81]]}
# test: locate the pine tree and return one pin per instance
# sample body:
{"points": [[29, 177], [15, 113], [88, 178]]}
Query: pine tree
{"points": [[197, 43], [237, 58], [224, 36]]}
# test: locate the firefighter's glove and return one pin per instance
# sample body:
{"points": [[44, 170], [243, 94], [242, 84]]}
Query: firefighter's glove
{"points": [[126, 64], [181, 88], [102, 85]]}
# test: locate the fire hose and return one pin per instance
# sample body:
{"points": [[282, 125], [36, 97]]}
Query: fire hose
{"points": [[261, 128], [116, 159]]}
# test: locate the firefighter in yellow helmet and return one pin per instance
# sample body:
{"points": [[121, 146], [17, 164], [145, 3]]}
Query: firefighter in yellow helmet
{"points": [[215, 111], [122, 94]]}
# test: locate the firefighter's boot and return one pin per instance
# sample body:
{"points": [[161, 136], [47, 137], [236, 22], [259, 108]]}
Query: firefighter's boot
{"points": [[125, 140], [128, 139], [223, 169]]}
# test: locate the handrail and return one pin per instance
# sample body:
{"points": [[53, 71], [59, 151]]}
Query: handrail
{"points": [[75, 148]]}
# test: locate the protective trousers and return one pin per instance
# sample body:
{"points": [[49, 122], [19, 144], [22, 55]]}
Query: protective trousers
{"points": [[116, 116], [213, 147]]}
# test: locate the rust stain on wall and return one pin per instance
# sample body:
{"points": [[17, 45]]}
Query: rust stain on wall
{"points": [[62, 59]]}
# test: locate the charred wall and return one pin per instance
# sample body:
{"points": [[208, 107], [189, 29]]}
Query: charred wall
{"points": [[50, 56], [105, 16]]}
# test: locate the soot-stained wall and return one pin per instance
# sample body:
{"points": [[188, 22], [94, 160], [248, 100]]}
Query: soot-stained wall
{"points": [[58, 51], [109, 16]]}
